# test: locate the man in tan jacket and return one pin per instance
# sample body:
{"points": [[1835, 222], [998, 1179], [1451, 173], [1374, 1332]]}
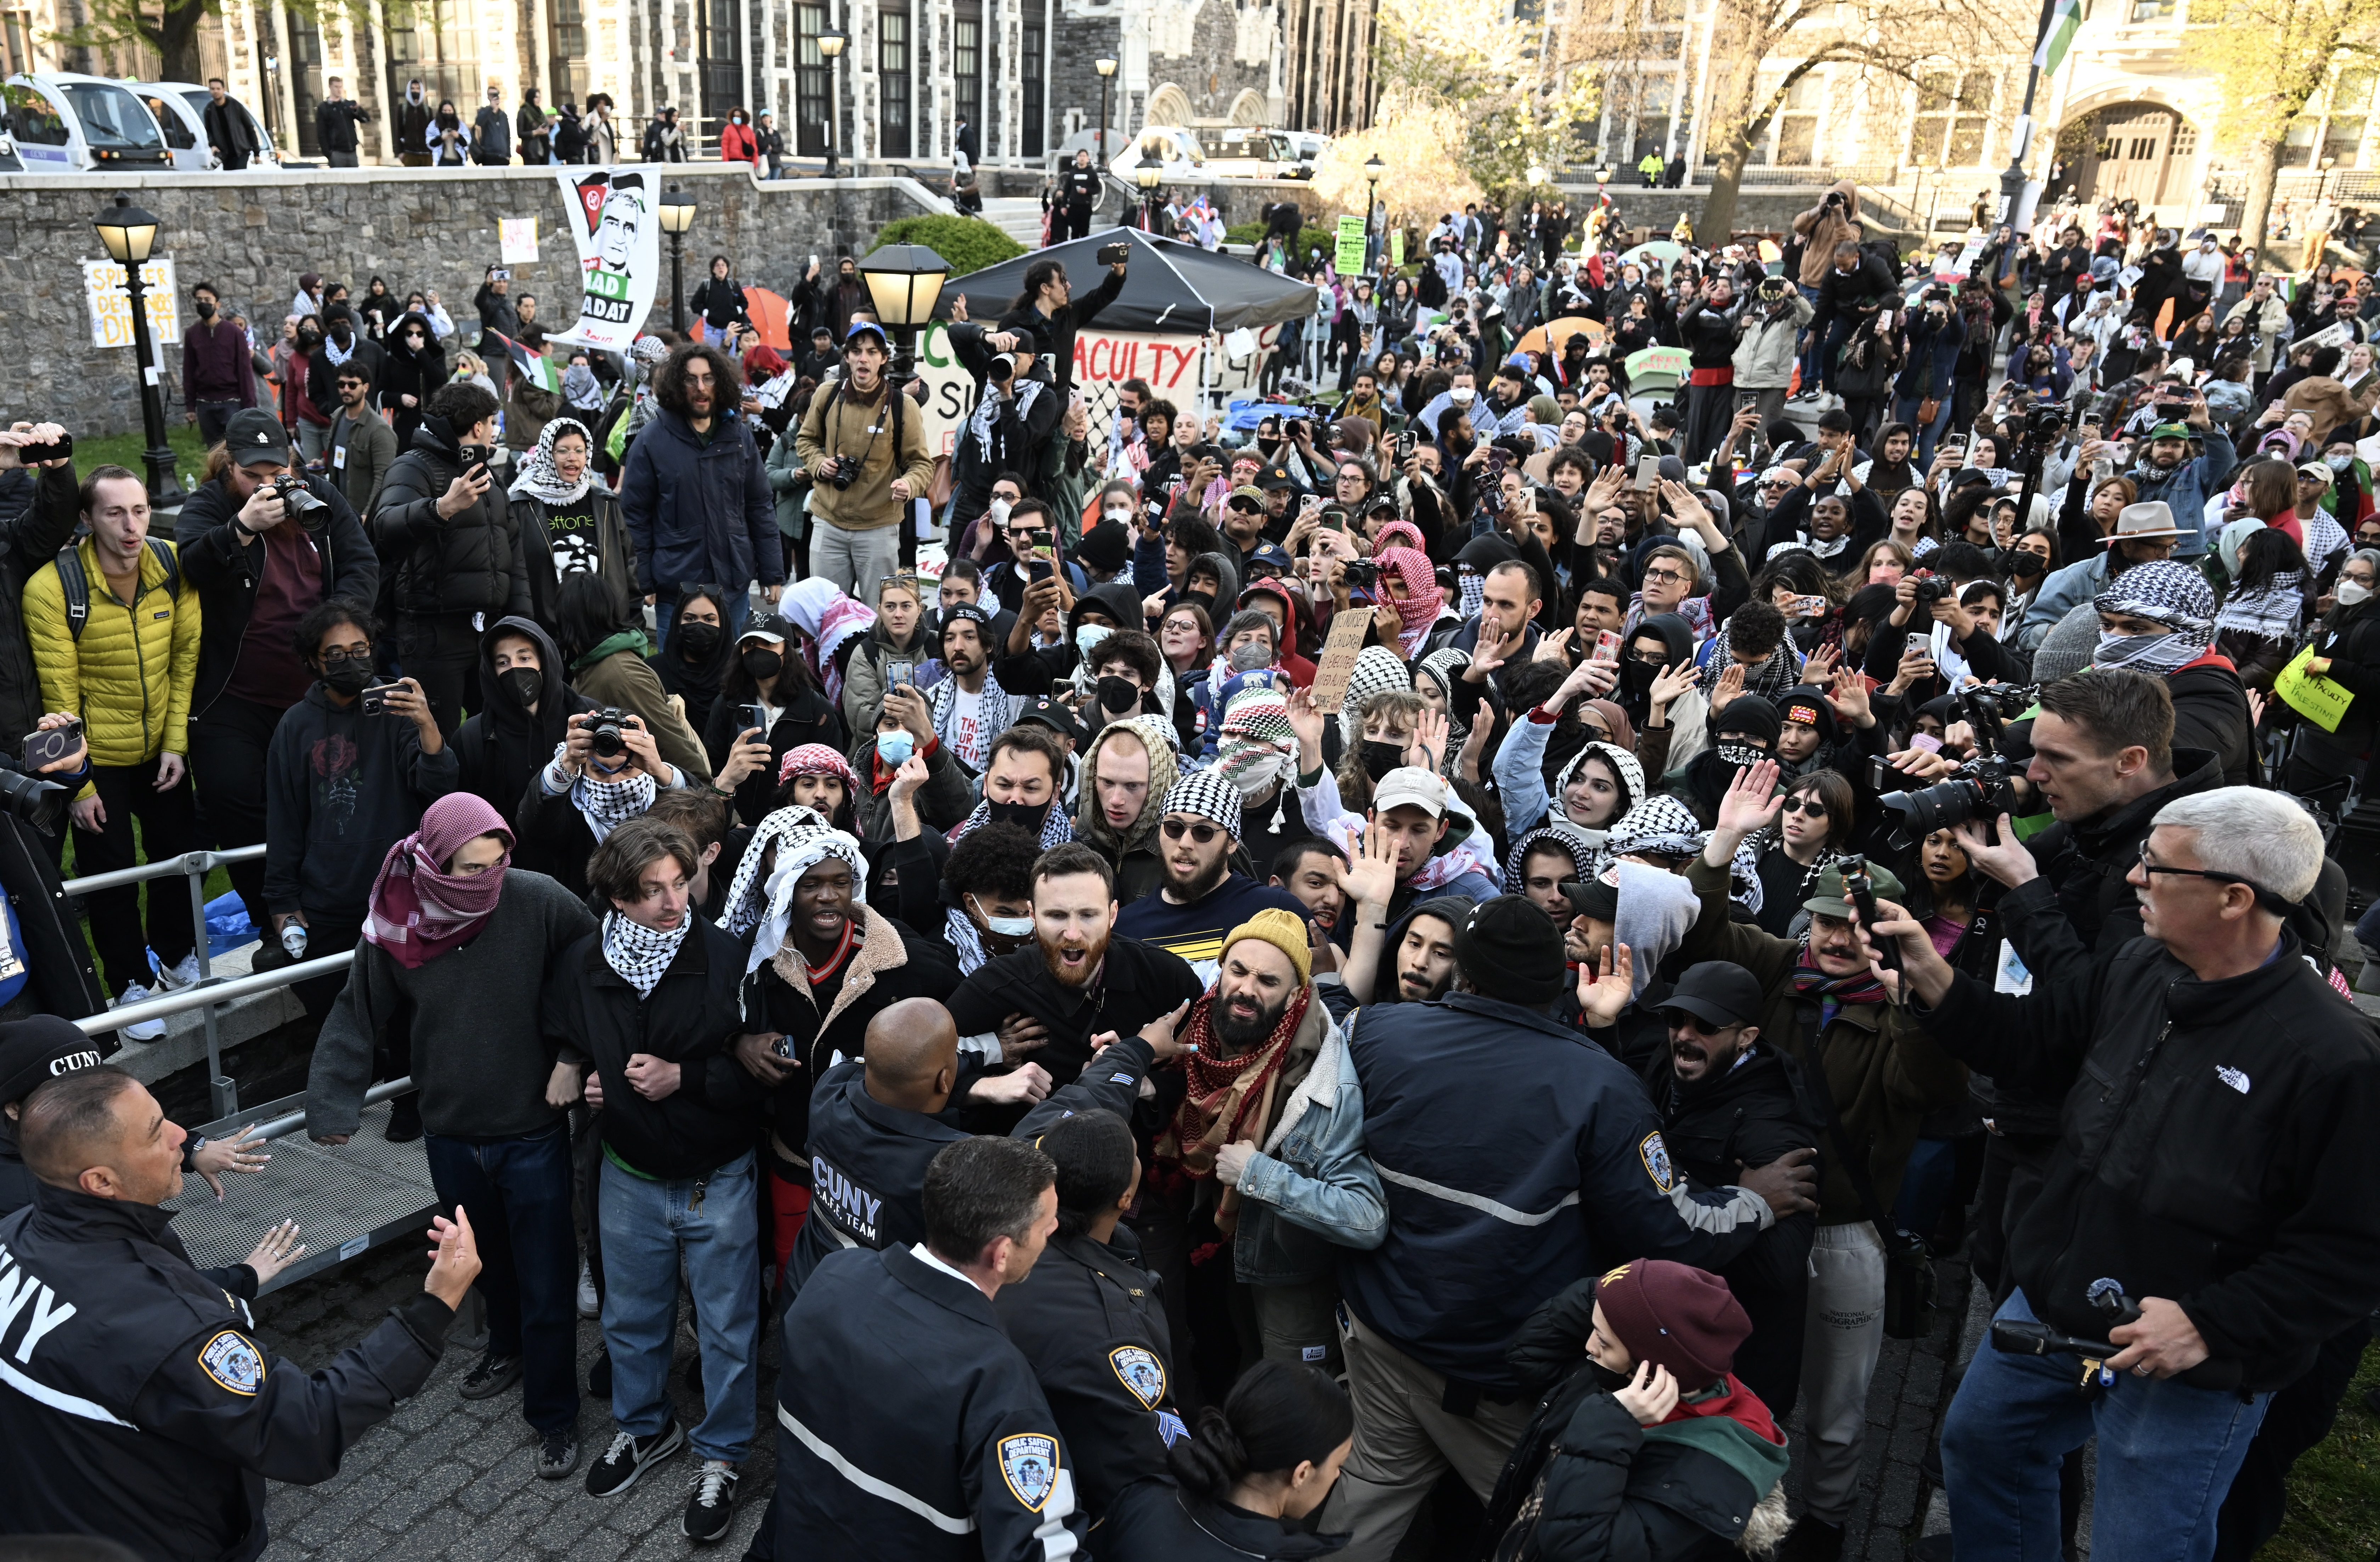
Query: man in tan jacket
{"points": [[864, 450], [1833, 220]]}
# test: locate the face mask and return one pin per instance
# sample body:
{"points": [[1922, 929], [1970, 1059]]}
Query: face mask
{"points": [[2351, 592], [526, 682], [1608, 1381], [309, 340], [1003, 927], [1118, 694], [349, 680], [1739, 752], [701, 639], [895, 747], [206, 310], [1380, 757], [762, 663], [2338, 463], [1089, 635], [1026, 817], [1259, 775]]}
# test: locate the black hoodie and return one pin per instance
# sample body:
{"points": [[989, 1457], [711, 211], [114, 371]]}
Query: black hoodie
{"points": [[504, 748], [471, 561], [406, 372], [1634, 693]]}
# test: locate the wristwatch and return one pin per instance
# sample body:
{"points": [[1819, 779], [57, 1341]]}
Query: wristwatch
{"points": [[190, 1148]]}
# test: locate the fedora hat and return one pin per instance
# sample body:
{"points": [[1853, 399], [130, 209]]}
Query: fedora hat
{"points": [[2151, 518]]}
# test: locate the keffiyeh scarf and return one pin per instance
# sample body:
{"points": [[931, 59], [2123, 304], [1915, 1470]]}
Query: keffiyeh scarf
{"points": [[1376, 670], [2276, 613], [1418, 608], [538, 477], [607, 805], [638, 953], [2167, 592], [1226, 1099], [798, 851]]}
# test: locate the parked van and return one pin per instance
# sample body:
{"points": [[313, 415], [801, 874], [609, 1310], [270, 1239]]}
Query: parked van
{"points": [[70, 124]]}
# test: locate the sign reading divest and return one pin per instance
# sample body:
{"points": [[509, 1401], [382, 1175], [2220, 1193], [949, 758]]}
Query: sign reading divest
{"points": [[1173, 367]]}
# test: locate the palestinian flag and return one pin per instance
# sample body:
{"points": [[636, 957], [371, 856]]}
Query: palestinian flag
{"points": [[2064, 23]]}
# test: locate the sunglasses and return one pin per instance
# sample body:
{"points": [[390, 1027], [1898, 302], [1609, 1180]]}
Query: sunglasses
{"points": [[1808, 807], [1679, 1020], [1200, 832]]}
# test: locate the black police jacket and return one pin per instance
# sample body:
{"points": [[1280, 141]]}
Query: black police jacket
{"points": [[911, 1427], [137, 1404], [1155, 1520], [1749, 1116], [1091, 1320], [868, 1160]]}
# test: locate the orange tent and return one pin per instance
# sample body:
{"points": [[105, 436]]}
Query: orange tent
{"points": [[768, 315]]}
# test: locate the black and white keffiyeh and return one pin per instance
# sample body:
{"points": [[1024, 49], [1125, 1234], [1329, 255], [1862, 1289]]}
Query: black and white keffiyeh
{"points": [[607, 805], [538, 477], [1376, 670], [640, 954], [746, 895], [2274, 612], [966, 939], [2169, 592], [1768, 679]]}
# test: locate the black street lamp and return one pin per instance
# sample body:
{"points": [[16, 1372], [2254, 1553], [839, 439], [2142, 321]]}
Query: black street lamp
{"points": [[1148, 175], [829, 44], [130, 235], [678, 215], [904, 282], [1106, 69], [1373, 169]]}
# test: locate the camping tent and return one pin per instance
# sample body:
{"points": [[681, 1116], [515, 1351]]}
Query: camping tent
{"points": [[1169, 288]]}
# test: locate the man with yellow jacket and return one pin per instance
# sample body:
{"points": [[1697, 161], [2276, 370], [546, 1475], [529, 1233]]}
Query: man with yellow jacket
{"points": [[115, 631]]}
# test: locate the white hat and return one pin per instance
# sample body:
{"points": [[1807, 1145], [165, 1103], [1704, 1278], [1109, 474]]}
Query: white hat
{"points": [[2150, 518], [1409, 785]]}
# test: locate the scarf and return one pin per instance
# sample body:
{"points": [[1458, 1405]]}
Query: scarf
{"points": [[800, 848], [1768, 679], [638, 953], [2276, 613], [1057, 825], [2167, 592], [1860, 986], [1376, 670], [1423, 594], [419, 911], [608, 804], [966, 938], [985, 416], [538, 478], [331, 350], [1228, 1097], [581, 390], [742, 910]]}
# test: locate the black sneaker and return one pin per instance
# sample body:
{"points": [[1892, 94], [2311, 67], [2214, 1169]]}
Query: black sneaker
{"points": [[628, 1458], [557, 1453], [712, 1504], [492, 1376]]}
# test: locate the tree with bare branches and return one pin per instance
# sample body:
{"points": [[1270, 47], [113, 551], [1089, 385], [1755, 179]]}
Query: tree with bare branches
{"points": [[2270, 58]]}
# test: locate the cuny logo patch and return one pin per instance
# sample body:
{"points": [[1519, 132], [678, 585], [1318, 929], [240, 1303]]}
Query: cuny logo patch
{"points": [[1655, 1157], [1029, 1464], [234, 1361], [1140, 1372]]}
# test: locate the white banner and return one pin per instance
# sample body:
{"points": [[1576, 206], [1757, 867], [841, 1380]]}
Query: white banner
{"points": [[1190, 371], [613, 217], [111, 305]]}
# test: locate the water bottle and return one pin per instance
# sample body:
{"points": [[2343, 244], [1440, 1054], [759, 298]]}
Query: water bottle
{"points": [[293, 939]]}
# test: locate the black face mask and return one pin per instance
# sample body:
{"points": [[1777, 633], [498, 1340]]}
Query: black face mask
{"points": [[761, 662], [2024, 564], [1379, 757], [309, 340], [1608, 1381], [347, 678], [526, 682], [1118, 694], [1636, 677], [206, 309], [1026, 817], [698, 640]]}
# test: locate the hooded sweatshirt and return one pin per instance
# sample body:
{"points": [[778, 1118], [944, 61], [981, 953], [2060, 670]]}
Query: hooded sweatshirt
{"points": [[1300, 669], [504, 745], [1133, 851], [1685, 724]]}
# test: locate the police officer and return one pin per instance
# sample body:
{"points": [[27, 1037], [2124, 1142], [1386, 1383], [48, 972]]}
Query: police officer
{"points": [[137, 1404], [1090, 1317], [876, 1125], [912, 1427]]}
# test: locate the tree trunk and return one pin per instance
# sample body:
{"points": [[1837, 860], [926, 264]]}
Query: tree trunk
{"points": [[1719, 209], [2264, 170], [177, 43]]}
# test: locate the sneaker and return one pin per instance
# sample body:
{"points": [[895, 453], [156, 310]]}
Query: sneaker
{"points": [[183, 973], [492, 1376], [557, 1453], [712, 1504], [590, 1305], [269, 956], [147, 1030], [628, 1458]]}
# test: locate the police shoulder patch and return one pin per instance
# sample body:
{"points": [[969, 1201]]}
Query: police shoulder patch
{"points": [[1140, 1372], [1029, 1464], [234, 1361], [1655, 1157], [1169, 1427]]}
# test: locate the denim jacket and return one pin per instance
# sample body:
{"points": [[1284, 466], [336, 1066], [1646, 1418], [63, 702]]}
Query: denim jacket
{"points": [[1311, 1188]]}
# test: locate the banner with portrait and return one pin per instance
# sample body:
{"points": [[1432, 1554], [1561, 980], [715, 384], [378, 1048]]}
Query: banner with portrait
{"points": [[614, 216]]}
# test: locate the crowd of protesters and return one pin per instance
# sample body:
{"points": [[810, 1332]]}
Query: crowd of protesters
{"points": [[1472, 933]]}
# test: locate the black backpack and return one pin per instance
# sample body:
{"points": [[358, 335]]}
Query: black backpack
{"points": [[76, 584]]}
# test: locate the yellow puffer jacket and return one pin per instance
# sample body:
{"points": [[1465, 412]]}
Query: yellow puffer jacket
{"points": [[128, 677]]}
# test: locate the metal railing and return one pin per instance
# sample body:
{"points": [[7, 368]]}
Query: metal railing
{"points": [[210, 990]]}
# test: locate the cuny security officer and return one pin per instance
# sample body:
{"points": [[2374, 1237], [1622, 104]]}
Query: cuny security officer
{"points": [[32, 1052], [134, 1402], [877, 1124], [912, 1428]]}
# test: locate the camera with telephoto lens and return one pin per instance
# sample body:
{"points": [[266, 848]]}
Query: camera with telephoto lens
{"points": [[2043, 424], [42, 804], [846, 467], [296, 499], [605, 735], [1983, 788]]}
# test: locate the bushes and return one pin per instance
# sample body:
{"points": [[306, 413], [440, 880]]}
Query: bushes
{"points": [[1324, 238], [969, 244]]}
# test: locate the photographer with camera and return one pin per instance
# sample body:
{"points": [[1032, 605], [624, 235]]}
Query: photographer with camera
{"points": [[865, 449], [1016, 411], [264, 542], [1765, 330], [2196, 1220], [1923, 397], [351, 767]]}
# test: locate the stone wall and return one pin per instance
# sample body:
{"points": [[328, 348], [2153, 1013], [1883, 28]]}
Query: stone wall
{"points": [[251, 235]]}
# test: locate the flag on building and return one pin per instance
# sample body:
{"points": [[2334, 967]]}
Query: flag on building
{"points": [[2058, 36]]}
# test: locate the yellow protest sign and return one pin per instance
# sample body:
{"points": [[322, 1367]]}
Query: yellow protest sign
{"points": [[111, 306], [2311, 695]]}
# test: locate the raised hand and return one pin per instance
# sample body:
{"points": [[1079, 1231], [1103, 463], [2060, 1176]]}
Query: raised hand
{"points": [[1729, 685], [1605, 985], [1670, 683], [1307, 722], [1371, 879], [1748, 802], [1429, 738]]}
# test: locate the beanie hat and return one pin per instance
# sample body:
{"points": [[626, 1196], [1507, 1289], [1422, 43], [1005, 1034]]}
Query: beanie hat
{"points": [[1283, 932], [1206, 795], [1673, 1315], [1749, 716], [1105, 547], [1806, 706], [41, 1048], [1512, 942]]}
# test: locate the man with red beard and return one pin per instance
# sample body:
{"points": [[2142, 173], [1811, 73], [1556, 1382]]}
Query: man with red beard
{"points": [[1076, 978]]}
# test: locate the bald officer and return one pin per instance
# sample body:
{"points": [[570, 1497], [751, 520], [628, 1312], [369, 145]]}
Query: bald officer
{"points": [[135, 1402]]}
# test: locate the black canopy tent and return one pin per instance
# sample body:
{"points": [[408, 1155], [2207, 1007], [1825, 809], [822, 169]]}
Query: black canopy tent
{"points": [[1169, 288]]}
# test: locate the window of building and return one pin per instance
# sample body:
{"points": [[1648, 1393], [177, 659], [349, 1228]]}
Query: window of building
{"points": [[1033, 82], [566, 47], [1797, 123], [16, 43], [892, 79], [1952, 111], [810, 83], [966, 70]]}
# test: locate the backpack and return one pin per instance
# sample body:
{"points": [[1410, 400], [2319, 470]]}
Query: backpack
{"points": [[76, 584]]}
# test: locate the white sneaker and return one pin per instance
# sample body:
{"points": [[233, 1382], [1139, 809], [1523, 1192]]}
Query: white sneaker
{"points": [[590, 1306], [182, 974], [147, 1030]]}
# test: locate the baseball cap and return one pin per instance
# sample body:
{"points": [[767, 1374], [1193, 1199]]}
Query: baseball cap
{"points": [[1512, 939], [1272, 557], [1047, 712], [1247, 493], [1829, 900], [1593, 897], [1409, 785], [40, 1049], [2314, 472], [1276, 476], [2173, 432], [1719, 991], [868, 328], [255, 438]]}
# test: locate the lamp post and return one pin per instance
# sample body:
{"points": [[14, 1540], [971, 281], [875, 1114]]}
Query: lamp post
{"points": [[2013, 177], [130, 235], [678, 215], [2322, 184], [904, 282], [1107, 68], [1148, 175], [829, 44], [1373, 169]]}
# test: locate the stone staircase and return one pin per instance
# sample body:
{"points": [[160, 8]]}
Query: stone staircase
{"points": [[1017, 216]]}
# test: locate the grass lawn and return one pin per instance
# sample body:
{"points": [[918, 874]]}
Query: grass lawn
{"points": [[2335, 1490], [124, 450], [218, 883]]}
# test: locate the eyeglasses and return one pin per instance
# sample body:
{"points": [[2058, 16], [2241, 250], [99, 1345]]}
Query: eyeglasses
{"points": [[1202, 832], [1667, 577], [2149, 867], [343, 659]]}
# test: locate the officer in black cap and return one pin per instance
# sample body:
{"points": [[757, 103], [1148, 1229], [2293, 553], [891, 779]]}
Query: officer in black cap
{"points": [[137, 1404], [32, 1051]]}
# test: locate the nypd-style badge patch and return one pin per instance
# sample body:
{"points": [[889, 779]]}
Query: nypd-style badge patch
{"points": [[233, 1361], [1140, 1372], [1655, 1157], [1029, 1464]]}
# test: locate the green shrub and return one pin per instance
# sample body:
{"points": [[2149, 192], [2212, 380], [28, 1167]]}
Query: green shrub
{"points": [[1324, 236], [969, 244]]}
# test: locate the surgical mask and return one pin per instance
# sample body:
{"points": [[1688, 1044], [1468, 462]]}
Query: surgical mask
{"points": [[1003, 927], [893, 748], [348, 679], [526, 682], [1118, 694], [2351, 592], [2338, 463], [1380, 757], [700, 638], [1089, 635], [1024, 817], [762, 663]]}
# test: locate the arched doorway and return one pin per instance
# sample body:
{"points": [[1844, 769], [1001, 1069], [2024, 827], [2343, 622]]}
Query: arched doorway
{"points": [[2136, 151], [1168, 106]]}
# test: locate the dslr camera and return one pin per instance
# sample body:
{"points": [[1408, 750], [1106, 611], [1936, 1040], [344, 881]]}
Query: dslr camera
{"points": [[846, 467], [1928, 589], [603, 732], [1985, 787], [297, 500], [2043, 424]]}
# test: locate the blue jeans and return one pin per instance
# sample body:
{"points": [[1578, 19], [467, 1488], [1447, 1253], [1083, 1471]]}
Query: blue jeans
{"points": [[1904, 410], [518, 1194], [712, 1224], [2168, 1453]]}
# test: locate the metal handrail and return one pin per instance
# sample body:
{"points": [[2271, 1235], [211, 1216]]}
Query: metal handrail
{"points": [[219, 992], [196, 865], [281, 1127]]}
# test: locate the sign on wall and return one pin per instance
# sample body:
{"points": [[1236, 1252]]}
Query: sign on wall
{"points": [[517, 241], [111, 305]]}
